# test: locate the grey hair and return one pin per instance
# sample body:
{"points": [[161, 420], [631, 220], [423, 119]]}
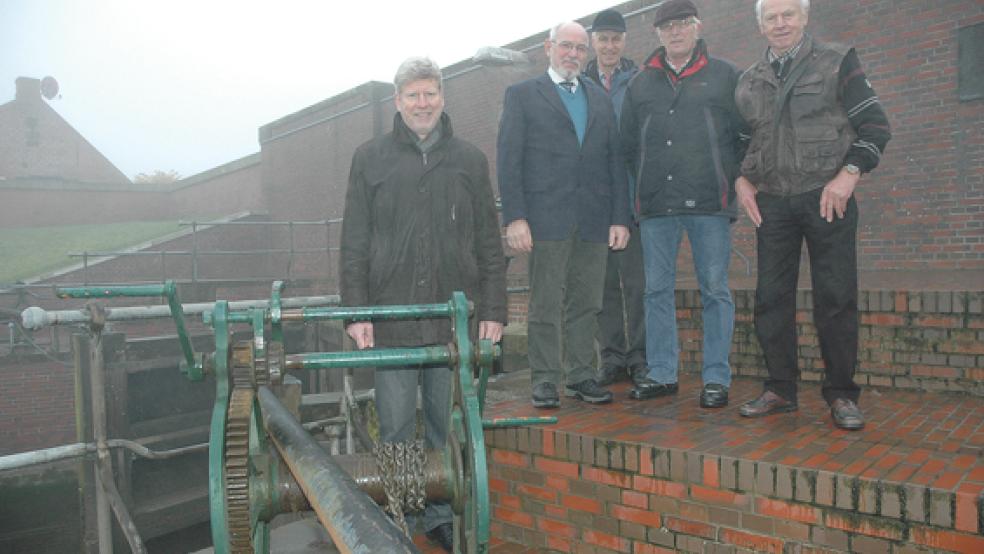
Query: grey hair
{"points": [[417, 68], [804, 5], [556, 29]]}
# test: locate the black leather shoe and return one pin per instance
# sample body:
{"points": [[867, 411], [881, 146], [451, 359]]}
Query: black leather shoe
{"points": [[443, 535], [767, 403], [545, 396], [647, 388], [714, 395], [638, 373], [608, 374], [846, 414], [589, 391]]}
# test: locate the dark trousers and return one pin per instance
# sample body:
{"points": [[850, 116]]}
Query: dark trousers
{"points": [[566, 279], [786, 222], [622, 321]]}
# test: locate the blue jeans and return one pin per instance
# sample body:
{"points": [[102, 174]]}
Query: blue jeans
{"points": [[710, 242]]}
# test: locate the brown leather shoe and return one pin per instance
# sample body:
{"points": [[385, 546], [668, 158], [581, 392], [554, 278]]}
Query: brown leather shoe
{"points": [[767, 403], [846, 414]]}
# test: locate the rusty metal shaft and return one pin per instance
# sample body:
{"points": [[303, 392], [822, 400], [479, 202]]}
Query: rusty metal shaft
{"points": [[354, 521]]}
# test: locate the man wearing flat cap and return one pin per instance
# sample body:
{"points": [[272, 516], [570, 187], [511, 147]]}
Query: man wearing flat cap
{"points": [[682, 131], [621, 324], [816, 127]]}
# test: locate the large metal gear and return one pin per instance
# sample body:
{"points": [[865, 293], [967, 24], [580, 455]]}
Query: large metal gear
{"points": [[237, 469], [239, 418]]}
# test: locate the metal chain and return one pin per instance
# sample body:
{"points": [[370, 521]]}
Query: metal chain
{"points": [[401, 469]]}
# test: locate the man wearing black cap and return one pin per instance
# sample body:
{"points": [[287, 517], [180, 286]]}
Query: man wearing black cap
{"points": [[621, 323], [681, 130]]}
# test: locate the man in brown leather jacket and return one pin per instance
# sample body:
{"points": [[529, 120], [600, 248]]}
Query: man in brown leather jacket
{"points": [[816, 127]]}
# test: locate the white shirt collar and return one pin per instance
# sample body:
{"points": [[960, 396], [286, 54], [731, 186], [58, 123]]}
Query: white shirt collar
{"points": [[557, 79]]}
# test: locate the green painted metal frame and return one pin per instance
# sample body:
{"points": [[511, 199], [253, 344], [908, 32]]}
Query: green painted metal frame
{"points": [[466, 412], [216, 443], [192, 369]]}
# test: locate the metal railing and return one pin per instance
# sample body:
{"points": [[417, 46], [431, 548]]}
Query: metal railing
{"points": [[197, 253]]}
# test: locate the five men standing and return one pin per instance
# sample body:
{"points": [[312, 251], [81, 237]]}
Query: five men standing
{"points": [[564, 200], [420, 220], [680, 130]]}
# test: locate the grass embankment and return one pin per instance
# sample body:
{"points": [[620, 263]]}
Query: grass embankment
{"points": [[27, 252]]}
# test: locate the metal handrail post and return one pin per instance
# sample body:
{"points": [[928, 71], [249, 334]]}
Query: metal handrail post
{"points": [[194, 251], [104, 528]]}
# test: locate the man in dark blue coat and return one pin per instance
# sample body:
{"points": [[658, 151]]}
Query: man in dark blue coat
{"points": [[564, 200]]}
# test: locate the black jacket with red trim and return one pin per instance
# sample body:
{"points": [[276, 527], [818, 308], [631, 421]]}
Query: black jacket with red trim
{"points": [[681, 134]]}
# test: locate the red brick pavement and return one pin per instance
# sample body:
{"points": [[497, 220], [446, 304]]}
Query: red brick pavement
{"points": [[929, 438], [917, 444]]}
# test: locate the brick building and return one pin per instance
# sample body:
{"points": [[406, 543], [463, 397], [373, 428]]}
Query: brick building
{"points": [[922, 209], [37, 142]]}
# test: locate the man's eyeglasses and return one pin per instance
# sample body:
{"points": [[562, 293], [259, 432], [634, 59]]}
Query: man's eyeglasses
{"points": [[567, 46], [668, 26]]}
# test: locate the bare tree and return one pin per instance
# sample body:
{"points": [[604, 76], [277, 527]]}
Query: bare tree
{"points": [[159, 176]]}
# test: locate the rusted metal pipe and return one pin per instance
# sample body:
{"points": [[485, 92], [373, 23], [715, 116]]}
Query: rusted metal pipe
{"points": [[439, 472], [97, 394], [355, 523], [35, 318], [107, 495], [68, 451]]}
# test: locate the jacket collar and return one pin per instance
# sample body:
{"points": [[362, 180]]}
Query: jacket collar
{"points": [[764, 66], [403, 134], [657, 61], [625, 65], [547, 88]]}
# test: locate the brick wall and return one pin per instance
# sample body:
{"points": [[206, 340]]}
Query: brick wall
{"points": [[909, 340], [37, 406], [572, 493]]}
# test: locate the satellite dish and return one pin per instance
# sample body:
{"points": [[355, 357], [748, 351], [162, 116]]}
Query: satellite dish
{"points": [[49, 87]]}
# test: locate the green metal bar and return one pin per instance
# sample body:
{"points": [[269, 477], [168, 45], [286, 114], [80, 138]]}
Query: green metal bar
{"points": [[112, 291], [216, 444], [191, 369], [487, 354], [389, 357], [168, 290], [478, 511], [412, 311], [417, 311], [233, 317], [497, 422]]}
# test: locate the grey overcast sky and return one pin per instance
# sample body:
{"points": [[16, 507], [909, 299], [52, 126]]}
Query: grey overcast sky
{"points": [[184, 84]]}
